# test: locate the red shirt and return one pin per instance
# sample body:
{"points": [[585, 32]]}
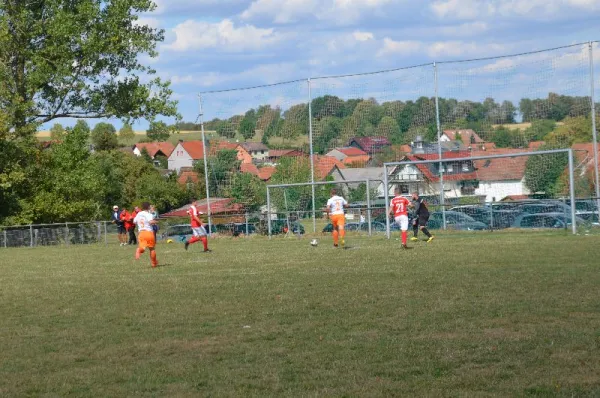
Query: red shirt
{"points": [[127, 220], [400, 206], [193, 221]]}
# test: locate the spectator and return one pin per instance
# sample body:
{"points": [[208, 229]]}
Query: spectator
{"points": [[121, 232], [131, 226], [154, 214]]}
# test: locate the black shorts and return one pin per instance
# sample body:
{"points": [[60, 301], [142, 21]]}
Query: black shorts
{"points": [[422, 220], [121, 229]]}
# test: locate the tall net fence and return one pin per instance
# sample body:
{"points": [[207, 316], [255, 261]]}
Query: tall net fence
{"points": [[353, 124], [57, 234]]}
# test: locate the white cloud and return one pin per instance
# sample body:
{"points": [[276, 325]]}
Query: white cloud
{"points": [[455, 48], [363, 36], [148, 21], [337, 11], [392, 47], [465, 29], [224, 35], [168, 6]]}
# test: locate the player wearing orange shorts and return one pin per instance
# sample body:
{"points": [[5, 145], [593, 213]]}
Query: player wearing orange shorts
{"points": [[144, 221], [335, 212]]}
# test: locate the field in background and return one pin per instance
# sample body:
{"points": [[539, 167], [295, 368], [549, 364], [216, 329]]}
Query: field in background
{"points": [[490, 314]]}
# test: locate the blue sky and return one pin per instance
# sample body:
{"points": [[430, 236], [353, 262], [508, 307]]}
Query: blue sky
{"points": [[220, 44]]}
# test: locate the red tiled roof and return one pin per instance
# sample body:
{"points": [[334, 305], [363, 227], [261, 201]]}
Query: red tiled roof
{"points": [[502, 169], [249, 168], [187, 174], [371, 144], [265, 173], [352, 151], [217, 206], [465, 136], [278, 153], [325, 164], [216, 146], [194, 148], [536, 144], [154, 147]]}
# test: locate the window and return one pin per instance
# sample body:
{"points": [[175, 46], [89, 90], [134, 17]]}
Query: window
{"points": [[404, 189], [262, 152], [465, 167], [450, 168]]}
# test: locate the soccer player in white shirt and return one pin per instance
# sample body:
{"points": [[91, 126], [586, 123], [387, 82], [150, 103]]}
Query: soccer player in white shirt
{"points": [[144, 221], [335, 212]]}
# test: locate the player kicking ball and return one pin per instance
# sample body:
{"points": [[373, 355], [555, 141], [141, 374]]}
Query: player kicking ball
{"points": [[144, 221], [421, 218], [198, 231], [399, 209], [335, 212]]}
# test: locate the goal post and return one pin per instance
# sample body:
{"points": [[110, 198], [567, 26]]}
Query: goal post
{"points": [[474, 183], [293, 202]]}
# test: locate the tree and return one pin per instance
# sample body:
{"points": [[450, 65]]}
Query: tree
{"points": [[126, 132], [56, 132], [104, 137], [539, 129], [248, 124], [573, 130], [369, 111], [291, 170], [327, 131], [248, 190], [158, 131], [543, 172], [221, 168], [225, 129], [146, 156], [78, 59], [388, 127]]}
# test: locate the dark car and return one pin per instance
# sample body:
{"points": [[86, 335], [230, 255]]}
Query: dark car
{"points": [[491, 216], [236, 229], [545, 220], [544, 208], [455, 220], [280, 226]]}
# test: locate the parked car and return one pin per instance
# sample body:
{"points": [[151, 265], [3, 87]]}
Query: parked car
{"points": [[544, 208], [492, 217], [279, 226], [180, 232], [585, 206], [545, 220], [455, 220], [236, 229]]}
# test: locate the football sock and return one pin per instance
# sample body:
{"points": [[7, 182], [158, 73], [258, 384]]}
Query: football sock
{"points": [[138, 253], [426, 232], [335, 236], [204, 242], [416, 231], [404, 237], [153, 258], [193, 239]]}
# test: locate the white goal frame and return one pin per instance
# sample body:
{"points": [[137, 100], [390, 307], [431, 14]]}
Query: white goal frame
{"points": [[568, 151]]}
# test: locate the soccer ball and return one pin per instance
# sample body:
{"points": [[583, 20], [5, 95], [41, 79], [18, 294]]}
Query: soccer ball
{"points": [[314, 243]]}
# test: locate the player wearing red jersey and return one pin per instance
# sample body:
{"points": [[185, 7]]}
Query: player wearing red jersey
{"points": [[399, 209], [198, 230]]}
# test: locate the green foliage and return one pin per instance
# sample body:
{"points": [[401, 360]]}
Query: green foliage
{"points": [[78, 59], [388, 127], [248, 190], [539, 129], [542, 172], [226, 129], [104, 137], [359, 194], [221, 169], [146, 156], [158, 131], [573, 130], [327, 132], [291, 170], [126, 133], [56, 132], [248, 124]]}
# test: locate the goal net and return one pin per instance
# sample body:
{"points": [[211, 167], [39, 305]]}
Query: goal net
{"points": [[467, 191]]}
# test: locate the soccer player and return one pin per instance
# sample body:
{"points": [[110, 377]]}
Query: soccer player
{"points": [[421, 219], [198, 231], [131, 228], [335, 212], [399, 209], [144, 221]]}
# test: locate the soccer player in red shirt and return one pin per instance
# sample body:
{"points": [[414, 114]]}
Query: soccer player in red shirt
{"points": [[198, 231], [399, 209]]}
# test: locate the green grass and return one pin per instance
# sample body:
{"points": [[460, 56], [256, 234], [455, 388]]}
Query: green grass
{"points": [[469, 315]]}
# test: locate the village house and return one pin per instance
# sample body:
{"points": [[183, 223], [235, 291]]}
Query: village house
{"points": [[188, 152], [370, 145], [350, 156], [258, 151]]}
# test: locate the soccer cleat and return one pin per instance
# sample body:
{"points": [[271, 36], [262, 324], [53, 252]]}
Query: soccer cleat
{"points": [[335, 245], [404, 247], [343, 242], [186, 245], [207, 251], [414, 239], [430, 239]]}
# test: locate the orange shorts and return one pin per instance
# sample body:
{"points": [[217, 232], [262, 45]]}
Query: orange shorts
{"points": [[146, 240], [338, 221]]}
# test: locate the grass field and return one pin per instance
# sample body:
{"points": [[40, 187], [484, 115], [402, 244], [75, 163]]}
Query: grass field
{"points": [[485, 315]]}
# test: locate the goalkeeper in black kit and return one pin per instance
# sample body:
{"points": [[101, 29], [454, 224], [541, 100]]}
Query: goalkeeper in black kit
{"points": [[421, 218]]}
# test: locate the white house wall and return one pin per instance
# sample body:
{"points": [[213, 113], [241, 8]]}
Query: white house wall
{"points": [[180, 158], [500, 189]]}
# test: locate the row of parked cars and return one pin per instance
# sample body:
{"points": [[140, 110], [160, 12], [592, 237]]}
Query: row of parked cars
{"points": [[183, 232]]}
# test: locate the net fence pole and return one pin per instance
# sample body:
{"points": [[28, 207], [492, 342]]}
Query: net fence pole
{"points": [[572, 191], [269, 211], [105, 233], [594, 131], [439, 143], [30, 235], [5, 239], [312, 156], [387, 202], [367, 183], [204, 155]]}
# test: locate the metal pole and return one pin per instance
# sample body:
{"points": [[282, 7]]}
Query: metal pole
{"points": [[386, 196], [369, 206], [287, 212], [66, 234], [312, 157], [594, 133], [492, 215], [439, 136], [5, 239], [269, 211], [30, 235], [201, 116], [572, 191], [105, 234], [247, 227]]}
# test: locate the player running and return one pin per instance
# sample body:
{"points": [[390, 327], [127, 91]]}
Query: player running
{"points": [[421, 218], [198, 230], [399, 209], [144, 221], [335, 212]]}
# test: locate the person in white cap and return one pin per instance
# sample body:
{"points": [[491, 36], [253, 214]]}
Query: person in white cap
{"points": [[116, 219]]}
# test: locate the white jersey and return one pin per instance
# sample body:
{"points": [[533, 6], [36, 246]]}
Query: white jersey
{"points": [[142, 220], [336, 205]]}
